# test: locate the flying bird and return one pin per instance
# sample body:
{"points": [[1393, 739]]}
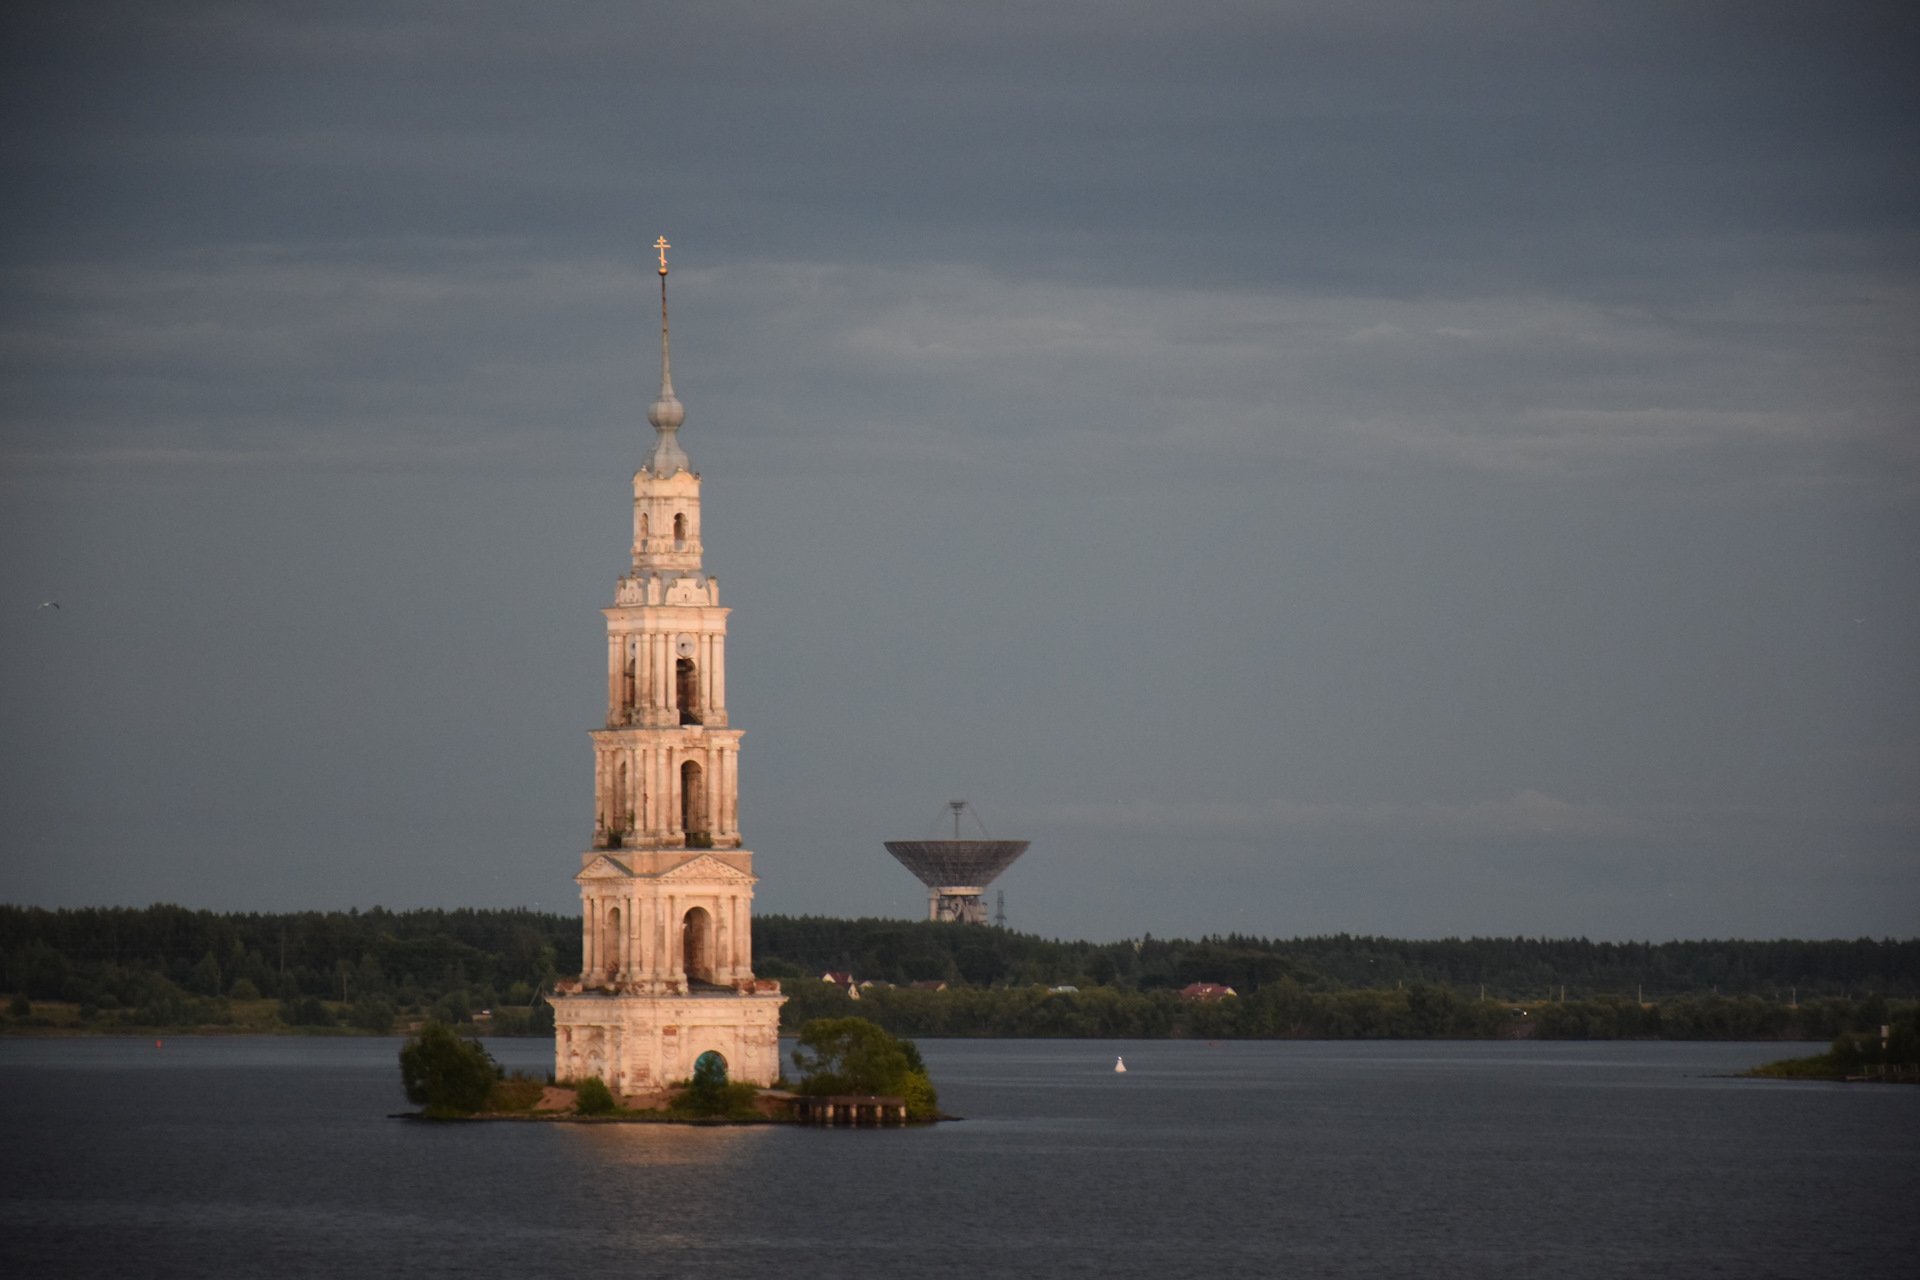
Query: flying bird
{"points": [[48, 604]]}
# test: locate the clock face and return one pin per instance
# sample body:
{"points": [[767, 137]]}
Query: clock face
{"points": [[683, 645]]}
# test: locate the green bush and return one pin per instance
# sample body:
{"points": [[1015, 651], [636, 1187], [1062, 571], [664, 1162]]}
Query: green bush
{"points": [[733, 1100], [446, 1073], [20, 1006], [243, 989], [852, 1055], [709, 1093], [706, 1092], [591, 1097]]}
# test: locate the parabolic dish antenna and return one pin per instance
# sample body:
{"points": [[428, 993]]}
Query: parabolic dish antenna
{"points": [[956, 872]]}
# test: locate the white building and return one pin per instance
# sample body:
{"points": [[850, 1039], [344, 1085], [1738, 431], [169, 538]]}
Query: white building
{"points": [[666, 891]]}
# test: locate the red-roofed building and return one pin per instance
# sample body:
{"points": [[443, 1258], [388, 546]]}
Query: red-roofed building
{"points": [[1206, 991]]}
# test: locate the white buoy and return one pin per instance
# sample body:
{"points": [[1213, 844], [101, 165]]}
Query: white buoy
{"points": [[1119, 1064]]}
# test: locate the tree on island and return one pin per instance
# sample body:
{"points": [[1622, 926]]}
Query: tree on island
{"points": [[446, 1073], [853, 1056]]}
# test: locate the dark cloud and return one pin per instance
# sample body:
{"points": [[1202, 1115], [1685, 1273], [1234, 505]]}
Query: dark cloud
{"points": [[1371, 466]]}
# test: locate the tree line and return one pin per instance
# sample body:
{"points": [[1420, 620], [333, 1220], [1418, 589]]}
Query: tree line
{"points": [[171, 966], [1287, 1010], [902, 952]]}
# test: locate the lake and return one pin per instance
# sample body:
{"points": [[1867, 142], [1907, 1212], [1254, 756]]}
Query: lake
{"points": [[274, 1157]]}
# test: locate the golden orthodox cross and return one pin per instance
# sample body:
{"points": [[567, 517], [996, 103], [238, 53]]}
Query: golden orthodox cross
{"points": [[662, 245]]}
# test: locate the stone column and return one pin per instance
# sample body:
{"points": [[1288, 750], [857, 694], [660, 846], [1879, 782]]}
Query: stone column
{"points": [[594, 931], [643, 784], [630, 802], [663, 951], [614, 645], [600, 788], [669, 679], [629, 952], [644, 905], [719, 670], [673, 792], [676, 943], [586, 937], [609, 788], [662, 772], [733, 791], [706, 674], [609, 792]]}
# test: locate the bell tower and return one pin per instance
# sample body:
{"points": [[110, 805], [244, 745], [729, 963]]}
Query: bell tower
{"points": [[666, 764], [666, 889]]}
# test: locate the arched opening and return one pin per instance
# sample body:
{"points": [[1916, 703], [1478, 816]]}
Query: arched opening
{"points": [[643, 526], [696, 936], [710, 1069], [679, 528], [611, 944], [693, 805], [619, 812], [687, 677]]}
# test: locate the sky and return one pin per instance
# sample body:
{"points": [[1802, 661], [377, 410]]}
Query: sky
{"points": [[1369, 467]]}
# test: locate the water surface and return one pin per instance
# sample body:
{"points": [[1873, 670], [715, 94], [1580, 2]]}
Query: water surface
{"points": [[244, 1157]]}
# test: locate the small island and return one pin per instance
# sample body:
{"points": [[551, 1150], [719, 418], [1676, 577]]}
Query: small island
{"points": [[850, 1072], [1892, 1057]]}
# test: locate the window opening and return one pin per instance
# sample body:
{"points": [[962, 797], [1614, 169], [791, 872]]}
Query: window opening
{"points": [[688, 690]]}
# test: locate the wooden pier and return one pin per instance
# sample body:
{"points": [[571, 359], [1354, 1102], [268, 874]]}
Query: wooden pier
{"points": [[855, 1110]]}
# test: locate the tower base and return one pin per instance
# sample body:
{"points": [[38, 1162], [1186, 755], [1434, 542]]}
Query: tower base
{"points": [[962, 906], [638, 1043]]}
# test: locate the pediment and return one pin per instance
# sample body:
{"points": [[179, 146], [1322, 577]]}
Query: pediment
{"points": [[603, 868], [708, 867]]}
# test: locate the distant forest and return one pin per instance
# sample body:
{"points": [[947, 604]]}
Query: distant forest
{"points": [[166, 966]]}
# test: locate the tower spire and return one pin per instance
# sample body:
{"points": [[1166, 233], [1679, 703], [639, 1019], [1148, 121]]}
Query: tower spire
{"points": [[666, 413]]}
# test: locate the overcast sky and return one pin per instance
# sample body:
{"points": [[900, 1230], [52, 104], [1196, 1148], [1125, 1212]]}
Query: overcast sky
{"points": [[1375, 467]]}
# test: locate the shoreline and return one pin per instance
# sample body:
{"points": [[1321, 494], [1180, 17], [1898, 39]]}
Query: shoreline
{"points": [[722, 1122], [400, 1032]]}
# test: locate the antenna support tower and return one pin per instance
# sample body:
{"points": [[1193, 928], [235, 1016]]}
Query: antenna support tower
{"points": [[956, 872]]}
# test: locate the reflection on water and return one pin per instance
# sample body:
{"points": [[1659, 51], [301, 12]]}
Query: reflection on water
{"points": [[710, 1149], [242, 1158]]}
